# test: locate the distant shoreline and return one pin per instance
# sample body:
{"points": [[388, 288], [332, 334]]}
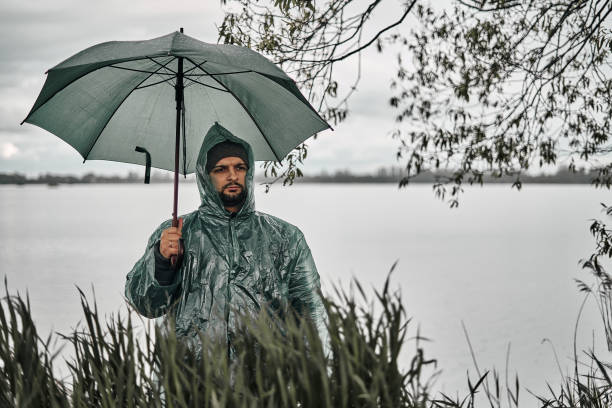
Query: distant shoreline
{"points": [[341, 177]]}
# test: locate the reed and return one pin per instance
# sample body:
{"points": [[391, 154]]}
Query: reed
{"points": [[114, 363], [271, 365]]}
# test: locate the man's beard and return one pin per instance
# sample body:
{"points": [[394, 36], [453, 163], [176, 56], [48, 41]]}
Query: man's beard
{"points": [[233, 200]]}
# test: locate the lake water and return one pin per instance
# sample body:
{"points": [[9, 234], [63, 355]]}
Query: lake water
{"points": [[503, 263]]}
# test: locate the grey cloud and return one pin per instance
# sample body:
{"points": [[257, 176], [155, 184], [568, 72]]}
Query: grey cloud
{"points": [[36, 35], [48, 33]]}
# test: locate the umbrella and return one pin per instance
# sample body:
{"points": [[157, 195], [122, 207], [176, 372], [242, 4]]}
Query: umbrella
{"points": [[121, 99]]}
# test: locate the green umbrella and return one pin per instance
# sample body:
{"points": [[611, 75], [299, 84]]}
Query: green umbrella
{"points": [[120, 99]]}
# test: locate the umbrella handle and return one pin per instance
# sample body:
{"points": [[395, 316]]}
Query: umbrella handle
{"points": [[148, 163], [177, 260]]}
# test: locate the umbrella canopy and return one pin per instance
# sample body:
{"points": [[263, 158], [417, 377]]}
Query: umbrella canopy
{"points": [[112, 97]]}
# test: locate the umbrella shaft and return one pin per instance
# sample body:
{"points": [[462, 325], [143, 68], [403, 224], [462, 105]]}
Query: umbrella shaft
{"points": [[178, 88]]}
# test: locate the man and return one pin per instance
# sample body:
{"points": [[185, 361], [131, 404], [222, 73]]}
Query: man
{"points": [[236, 260]]}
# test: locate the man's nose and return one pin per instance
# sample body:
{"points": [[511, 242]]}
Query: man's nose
{"points": [[232, 174]]}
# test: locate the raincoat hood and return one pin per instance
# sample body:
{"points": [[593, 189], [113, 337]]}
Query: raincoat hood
{"points": [[211, 202]]}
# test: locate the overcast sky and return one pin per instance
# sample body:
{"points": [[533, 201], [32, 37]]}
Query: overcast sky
{"points": [[35, 35]]}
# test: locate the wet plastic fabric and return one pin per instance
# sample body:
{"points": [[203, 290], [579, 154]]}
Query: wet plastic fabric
{"points": [[232, 265]]}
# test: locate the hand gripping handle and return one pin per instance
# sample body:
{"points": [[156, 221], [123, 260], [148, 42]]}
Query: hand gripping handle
{"points": [[177, 260]]}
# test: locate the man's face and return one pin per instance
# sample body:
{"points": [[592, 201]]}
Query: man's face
{"points": [[229, 179]]}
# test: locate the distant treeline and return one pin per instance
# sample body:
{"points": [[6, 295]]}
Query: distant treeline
{"points": [[383, 175], [394, 175], [88, 178]]}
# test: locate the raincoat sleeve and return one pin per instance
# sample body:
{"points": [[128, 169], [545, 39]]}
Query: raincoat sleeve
{"points": [[305, 290], [142, 290]]}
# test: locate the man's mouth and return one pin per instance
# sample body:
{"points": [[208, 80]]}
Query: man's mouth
{"points": [[233, 188]]}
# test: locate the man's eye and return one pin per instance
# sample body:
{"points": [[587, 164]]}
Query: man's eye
{"points": [[241, 168], [218, 170]]}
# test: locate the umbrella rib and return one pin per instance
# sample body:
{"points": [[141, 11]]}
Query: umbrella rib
{"points": [[173, 74], [206, 74], [245, 109], [163, 65], [143, 71], [119, 105], [222, 73], [197, 82], [208, 86], [195, 66], [218, 73], [154, 83]]}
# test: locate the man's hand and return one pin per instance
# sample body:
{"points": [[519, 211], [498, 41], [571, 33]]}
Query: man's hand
{"points": [[169, 240]]}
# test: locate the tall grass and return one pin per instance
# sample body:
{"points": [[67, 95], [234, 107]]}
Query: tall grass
{"points": [[113, 363]]}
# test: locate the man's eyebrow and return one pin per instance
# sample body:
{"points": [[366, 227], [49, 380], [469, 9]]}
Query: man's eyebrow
{"points": [[225, 166]]}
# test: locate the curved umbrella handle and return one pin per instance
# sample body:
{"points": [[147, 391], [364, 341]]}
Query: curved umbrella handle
{"points": [[148, 163]]}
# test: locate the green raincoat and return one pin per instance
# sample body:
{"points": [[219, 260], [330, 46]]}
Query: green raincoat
{"points": [[232, 264]]}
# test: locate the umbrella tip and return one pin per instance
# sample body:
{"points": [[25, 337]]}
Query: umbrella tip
{"points": [[181, 29]]}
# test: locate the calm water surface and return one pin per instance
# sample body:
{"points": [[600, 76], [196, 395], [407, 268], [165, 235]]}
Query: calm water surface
{"points": [[503, 263]]}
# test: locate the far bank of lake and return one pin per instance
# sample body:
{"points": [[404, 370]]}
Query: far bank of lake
{"points": [[393, 175]]}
